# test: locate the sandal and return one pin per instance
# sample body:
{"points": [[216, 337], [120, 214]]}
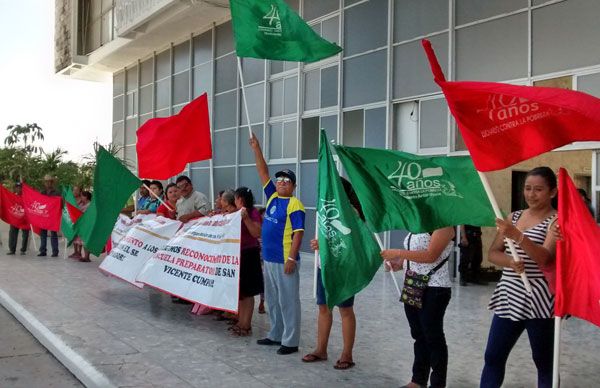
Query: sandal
{"points": [[343, 365], [311, 357], [237, 331]]}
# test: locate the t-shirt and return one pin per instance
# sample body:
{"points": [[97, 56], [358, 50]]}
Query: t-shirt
{"points": [[151, 204], [141, 202], [195, 201], [420, 242], [247, 240], [283, 216], [163, 211]]}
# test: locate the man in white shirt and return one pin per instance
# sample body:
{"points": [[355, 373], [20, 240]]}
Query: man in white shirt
{"points": [[192, 204]]}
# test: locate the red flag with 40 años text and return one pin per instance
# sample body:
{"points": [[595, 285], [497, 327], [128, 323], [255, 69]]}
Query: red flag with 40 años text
{"points": [[42, 211], [577, 258], [11, 209], [504, 124], [165, 145]]}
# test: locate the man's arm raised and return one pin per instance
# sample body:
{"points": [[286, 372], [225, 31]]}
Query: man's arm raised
{"points": [[261, 164]]}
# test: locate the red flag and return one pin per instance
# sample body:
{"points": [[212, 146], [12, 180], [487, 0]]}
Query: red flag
{"points": [[74, 212], [504, 124], [165, 145], [42, 211], [577, 259], [11, 209]]}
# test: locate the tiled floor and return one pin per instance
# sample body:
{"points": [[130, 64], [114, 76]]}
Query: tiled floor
{"points": [[139, 338]]}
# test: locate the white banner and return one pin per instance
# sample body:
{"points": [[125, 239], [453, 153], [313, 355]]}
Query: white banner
{"points": [[201, 263], [140, 243]]}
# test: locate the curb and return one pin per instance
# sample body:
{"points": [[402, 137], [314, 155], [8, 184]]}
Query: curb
{"points": [[75, 363]]}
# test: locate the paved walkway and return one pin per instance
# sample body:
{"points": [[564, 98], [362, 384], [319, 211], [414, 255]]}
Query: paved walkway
{"points": [[138, 338]]}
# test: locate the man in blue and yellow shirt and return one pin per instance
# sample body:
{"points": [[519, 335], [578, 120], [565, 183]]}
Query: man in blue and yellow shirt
{"points": [[282, 231]]}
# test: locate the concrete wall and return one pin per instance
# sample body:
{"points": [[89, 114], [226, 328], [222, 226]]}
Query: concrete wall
{"points": [[62, 34]]}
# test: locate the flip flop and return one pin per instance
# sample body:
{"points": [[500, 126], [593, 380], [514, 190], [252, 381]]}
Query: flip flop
{"points": [[343, 365], [311, 357]]}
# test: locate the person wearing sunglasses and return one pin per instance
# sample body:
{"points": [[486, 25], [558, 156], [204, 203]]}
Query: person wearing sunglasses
{"points": [[282, 232]]}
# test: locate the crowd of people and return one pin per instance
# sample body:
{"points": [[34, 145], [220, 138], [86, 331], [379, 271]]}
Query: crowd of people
{"points": [[270, 264]]}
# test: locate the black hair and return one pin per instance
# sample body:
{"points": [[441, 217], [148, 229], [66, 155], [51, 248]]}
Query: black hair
{"points": [[583, 194], [146, 182], [158, 184], [167, 189], [245, 194], [87, 194], [220, 193], [550, 178], [183, 178]]}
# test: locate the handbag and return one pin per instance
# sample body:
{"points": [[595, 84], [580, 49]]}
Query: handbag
{"points": [[416, 283]]}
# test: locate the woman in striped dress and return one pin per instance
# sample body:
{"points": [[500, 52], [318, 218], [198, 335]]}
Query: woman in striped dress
{"points": [[516, 310]]}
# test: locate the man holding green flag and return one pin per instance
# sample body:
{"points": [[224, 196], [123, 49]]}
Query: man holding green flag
{"points": [[399, 190], [113, 184], [67, 225], [349, 256]]}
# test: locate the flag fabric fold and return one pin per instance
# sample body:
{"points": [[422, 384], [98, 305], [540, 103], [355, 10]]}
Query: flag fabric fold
{"points": [[504, 124], [113, 184], [42, 211], [11, 209], [70, 214], [166, 144], [398, 190], [272, 30], [349, 253], [577, 259]]}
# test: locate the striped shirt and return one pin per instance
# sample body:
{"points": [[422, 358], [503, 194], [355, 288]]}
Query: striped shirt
{"points": [[510, 299]]}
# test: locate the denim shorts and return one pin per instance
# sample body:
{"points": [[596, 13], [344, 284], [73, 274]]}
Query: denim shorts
{"points": [[321, 293]]}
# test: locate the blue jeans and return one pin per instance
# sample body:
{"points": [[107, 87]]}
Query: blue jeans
{"points": [[53, 241], [427, 329], [504, 334]]}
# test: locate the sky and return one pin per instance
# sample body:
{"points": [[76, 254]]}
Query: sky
{"points": [[72, 113]]}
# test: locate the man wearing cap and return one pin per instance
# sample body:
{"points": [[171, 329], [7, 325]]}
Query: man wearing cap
{"points": [[49, 189], [282, 232], [13, 233]]}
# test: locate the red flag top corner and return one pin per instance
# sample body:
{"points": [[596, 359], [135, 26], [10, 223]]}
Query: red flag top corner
{"points": [[11, 209], [42, 211], [165, 145], [577, 259], [504, 124]]}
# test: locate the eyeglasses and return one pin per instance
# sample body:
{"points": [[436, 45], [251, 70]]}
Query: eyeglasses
{"points": [[283, 179]]}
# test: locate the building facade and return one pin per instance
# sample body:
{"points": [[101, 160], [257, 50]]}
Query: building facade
{"points": [[378, 92]]}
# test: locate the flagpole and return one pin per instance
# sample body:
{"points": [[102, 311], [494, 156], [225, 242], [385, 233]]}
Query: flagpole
{"points": [[33, 237], [556, 358], [388, 264], [316, 266], [157, 197], [239, 66], [498, 213]]}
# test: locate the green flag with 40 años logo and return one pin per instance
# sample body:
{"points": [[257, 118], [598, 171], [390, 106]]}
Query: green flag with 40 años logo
{"points": [[350, 256], [270, 29], [398, 190]]}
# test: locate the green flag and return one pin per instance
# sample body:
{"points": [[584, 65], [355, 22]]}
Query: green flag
{"points": [[113, 184], [269, 29], [349, 253], [398, 190], [66, 225]]}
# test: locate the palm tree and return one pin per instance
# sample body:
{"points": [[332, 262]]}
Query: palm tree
{"points": [[25, 137]]}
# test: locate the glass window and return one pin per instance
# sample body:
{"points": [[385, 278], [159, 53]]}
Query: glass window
{"points": [[147, 72], [329, 124], [162, 113], [224, 142], [308, 184], [131, 157], [255, 98], [163, 64], [132, 78], [253, 69], [276, 67], [329, 87], [203, 48], [412, 74], [201, 180], [181, 56], [365, 27], [181, 85], [330, 29], [203, 79], [118, 108], [310, 138], [406, 126], [316, 8], [246, 153], [275, 141], [277, 98], [248, 177], [472, 10], [375, 127], [493, 51], [312, 81], [118, 133], [290, 101], [131, 104], [309, 229], [433, 128], [226, 74], [459, 142], [130, 129], [364, 87], [146, 94], [589, 84], [224, 178], [413, 18], [397, 239], [565, 36], [163, 93], [224, 39], [144, 118], [225, 110], [290, 140], [118, 83], [353, 128]]}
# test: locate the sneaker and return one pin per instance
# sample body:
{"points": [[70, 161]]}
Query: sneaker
{"points": [[283, 350], [23, 252], [269, 342], [54, 255], [41, 254], [10, 253]]}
